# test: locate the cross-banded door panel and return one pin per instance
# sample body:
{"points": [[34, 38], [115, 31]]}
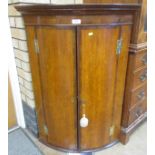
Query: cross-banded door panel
{"points": [[57, 58], [97, 72]]}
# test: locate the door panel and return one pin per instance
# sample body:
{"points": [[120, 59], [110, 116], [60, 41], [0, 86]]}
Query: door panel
{"points": [[98, 83], [97, 72], [57, 60], [12, 121]]}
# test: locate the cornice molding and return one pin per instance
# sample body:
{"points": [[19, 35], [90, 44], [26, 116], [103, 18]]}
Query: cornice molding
{"points": [[48, 9]]}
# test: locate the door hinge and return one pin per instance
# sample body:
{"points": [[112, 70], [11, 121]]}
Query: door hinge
{"points": [[36, 45], [45, 129], [111, 130], [119, 46]]}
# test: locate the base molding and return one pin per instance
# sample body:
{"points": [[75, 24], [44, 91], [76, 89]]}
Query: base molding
{"points": [[79, 151], [13, 129], [126, 132]]}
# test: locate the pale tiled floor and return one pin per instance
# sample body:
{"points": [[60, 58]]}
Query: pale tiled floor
{"points": [[136, 146]]}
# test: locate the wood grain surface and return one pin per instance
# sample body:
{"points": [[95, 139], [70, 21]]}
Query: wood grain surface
{"points": [[98, 84], [58, 79]]}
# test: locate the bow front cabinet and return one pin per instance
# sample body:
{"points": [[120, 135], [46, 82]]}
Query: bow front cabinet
{"points": [[78, 56]]}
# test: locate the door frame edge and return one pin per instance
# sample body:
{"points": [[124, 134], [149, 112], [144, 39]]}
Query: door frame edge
{"points": [[15, 86]]}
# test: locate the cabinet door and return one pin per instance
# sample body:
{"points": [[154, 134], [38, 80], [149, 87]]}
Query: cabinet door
{"points": [[101, 73], [57, 59]]}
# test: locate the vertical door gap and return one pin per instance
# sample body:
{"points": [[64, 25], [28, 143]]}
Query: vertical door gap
{"points": [[77, 88]]}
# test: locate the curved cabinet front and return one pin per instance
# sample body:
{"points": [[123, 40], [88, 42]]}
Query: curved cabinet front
{"points": [[57, 60], [78, 73], [101, 76], [87, 80]]}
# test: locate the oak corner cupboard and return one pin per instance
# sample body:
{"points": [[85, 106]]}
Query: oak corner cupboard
{"points": [[78, 56]]}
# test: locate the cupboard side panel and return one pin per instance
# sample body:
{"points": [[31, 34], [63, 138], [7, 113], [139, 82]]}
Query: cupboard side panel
{"points": [[36, 80], [120, 80]]}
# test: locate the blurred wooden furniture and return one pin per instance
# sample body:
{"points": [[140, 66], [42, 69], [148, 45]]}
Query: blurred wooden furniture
{"points": [[135, 98]]}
